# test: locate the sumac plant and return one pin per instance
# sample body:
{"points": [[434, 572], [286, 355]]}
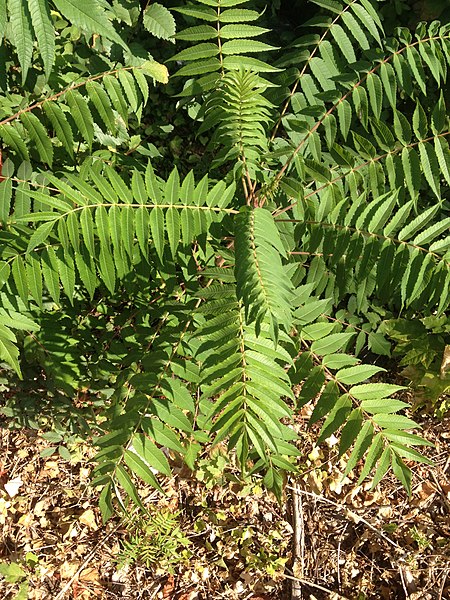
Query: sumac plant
{"points": [[207, 306]]}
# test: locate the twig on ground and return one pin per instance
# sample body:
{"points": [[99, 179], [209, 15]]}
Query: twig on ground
{"points": [[298, 542], [338, 565], [442, 586], [316, 586], [87, 560], [354, 516], [402, 579], [440, 491]]}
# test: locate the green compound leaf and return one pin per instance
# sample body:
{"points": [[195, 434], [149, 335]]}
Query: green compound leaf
{"points": [[357, 374], [261, 280], [5, 200], [401, 471], [141, 469], [88, 15], [45, 33], [362, 443], [373, 391], [3, 18], [331, 343], [60, 124], [21, 30], [101, 101], [159, 21], [40, 235], [13, 139], [9, 352], [39, 136], [81, 115], [130, 89]]}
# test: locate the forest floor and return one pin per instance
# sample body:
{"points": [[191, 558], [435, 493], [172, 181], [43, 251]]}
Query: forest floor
{"points": [[212, 536]]}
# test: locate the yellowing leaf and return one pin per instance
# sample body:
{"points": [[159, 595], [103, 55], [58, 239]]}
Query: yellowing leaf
{"points": [[156, 70], [88, 518]]}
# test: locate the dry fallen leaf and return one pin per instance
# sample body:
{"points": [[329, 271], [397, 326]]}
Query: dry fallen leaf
{"points": [[40, 508], [88, 518], [425, 489], [13, 486], [26, 520], [168, 589], [188, 596], [90, 574], [4, 506], [68, 569]]}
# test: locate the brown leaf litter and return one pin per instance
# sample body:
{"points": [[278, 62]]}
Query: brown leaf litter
{"points": [[329, 539]]}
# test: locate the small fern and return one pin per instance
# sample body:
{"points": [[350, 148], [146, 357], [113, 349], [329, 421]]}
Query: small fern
{"points": [[157, 542]]}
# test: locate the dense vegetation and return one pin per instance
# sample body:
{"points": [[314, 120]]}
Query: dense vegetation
{"points": [[209, 221]]}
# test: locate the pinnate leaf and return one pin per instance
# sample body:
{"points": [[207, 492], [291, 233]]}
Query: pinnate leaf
{"points": [[159, 21], [88, 15]]}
